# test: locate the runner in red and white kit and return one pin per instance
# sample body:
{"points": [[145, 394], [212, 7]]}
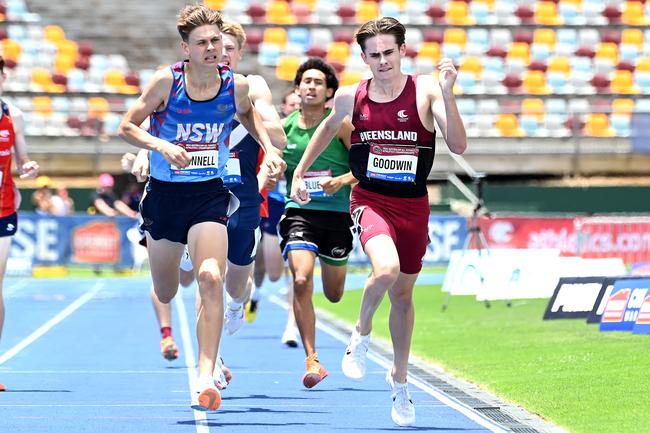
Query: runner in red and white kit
{"points": [[391, 155], [12, 136]]}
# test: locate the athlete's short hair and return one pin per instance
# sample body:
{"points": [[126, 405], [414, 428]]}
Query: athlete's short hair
{"points": [[331, 82], [197, 15], [380, 26], [235, 30]]}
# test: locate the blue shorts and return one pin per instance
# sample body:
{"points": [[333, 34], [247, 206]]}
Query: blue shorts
{"points": [[8, 225], [244, 235], [270, 225], [169, 209]]}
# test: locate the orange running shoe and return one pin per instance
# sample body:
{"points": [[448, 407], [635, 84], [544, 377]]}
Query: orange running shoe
{"points": [[2, 387], [168, 348], [208, 398], [315, 372]]}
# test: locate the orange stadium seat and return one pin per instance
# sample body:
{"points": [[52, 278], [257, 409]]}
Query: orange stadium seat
{"points": [[559, 64], [623, 106], [623, 83], [66, 46], [607, 50], [508, 126], [216, 4], [546, 14], [11, 49], [455, 36], [42, 105], [533, 107], [534, 82], [279, 12], [287, 67], [472, 65], [519, 51], [430, 50], [544, 37], [633, 14], [64, 63], [632, 37], [98, 107], [643, 64], [276, 36], [367, 10], [338, 52], [458, 14], [597, 125], [350, 77], [53, 33]]}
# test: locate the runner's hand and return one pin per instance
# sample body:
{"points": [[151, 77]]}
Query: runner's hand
{"points": [[175, 155], [331, 185], [447, 74], [299, 192], [29, 170], [127, 161], [275, 165], [140, 167]]}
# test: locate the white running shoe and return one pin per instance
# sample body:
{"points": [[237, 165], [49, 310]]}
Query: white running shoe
{"points": [[234, 317], [354, 359], [290, 336], [186, 261], [403, 411]]}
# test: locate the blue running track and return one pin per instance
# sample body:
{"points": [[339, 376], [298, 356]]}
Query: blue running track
{"points": [[82, 355]]}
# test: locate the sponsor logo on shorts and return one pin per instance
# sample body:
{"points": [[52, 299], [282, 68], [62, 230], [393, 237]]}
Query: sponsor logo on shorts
{"points": [[10, 227], [338, 252]]}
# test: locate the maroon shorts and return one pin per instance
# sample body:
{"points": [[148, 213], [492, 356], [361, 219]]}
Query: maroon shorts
{"points": [[405, 220]]}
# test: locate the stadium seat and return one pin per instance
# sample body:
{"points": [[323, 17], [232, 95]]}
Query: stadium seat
{"points": [[601, 83], [367, 10], [607, 50], [302, 13], [519, 51], [350, 77], [534, 83], [458, 14], [623, 106], [479, 12], [533, 107], [338, 52], [256, 12], [620, 124], [472, 65], [268, 55], [559, 64], [279, 12], [430, 50], [216, 4], [525, 13], [546, 14], [64, 63], [455, 36], [275, 36], [633, 13], [508, 126], [254, 38], [623, 83], [42, 105], [11, 49], [593, 12], [54, 34], [570, 14], [545, 36], [633, 37], [642, 81], [98, 107], [597, 125], [287, 67], [559, 83]]}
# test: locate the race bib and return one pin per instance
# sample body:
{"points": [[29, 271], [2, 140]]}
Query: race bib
{"points": [[392, 163], [232, 175], [313, 179], [205, 160], [282, 187]]}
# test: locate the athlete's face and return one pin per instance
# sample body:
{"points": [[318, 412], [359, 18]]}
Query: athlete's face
{"points": [[204, 45], [383, 55], [231, 53], [291, 103], [313, 88]]}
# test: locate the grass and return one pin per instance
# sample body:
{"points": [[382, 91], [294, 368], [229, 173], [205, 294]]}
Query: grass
{"points": [[566, 371]]}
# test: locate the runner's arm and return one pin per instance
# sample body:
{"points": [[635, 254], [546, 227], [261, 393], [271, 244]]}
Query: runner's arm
{"points": [[260, 94], [153, 99], [26, 167], [445, 110]]}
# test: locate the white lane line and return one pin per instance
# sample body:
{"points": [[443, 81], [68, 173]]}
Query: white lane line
{"points": [[10, 289], [81, 300], [200, 418], [412, 378]]}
